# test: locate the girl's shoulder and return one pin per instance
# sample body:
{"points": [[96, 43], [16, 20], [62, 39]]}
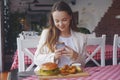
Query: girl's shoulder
{"points": [[44, 33], [78, 34], [45, 30]]}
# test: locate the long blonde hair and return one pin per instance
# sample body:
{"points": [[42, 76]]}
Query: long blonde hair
{"points": [[54, 33]]}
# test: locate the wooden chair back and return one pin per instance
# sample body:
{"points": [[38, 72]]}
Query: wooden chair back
{"points": [[116, 45], [22, 47], [100, 42]]}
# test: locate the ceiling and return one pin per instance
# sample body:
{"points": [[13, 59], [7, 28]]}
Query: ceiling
{"points": [[32, 5]]}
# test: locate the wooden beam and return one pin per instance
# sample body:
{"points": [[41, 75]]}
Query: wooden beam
{"points": [[43, 5], [39, 10]]}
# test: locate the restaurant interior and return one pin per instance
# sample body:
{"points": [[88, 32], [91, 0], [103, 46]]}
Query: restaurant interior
{"points": [[97, 18]]}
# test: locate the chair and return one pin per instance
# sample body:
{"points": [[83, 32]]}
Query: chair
{"points": [[116, 45], [22, 47], [28, 34], [100, 43]]}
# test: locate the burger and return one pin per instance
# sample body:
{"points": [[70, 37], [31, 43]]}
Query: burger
{"points": [[49, 68]]}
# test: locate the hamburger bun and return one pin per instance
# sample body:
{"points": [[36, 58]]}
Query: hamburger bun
{"points": [[49, 68]]}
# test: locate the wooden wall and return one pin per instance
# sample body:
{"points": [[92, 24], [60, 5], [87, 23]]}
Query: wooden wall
{"points": [[109, 24]]}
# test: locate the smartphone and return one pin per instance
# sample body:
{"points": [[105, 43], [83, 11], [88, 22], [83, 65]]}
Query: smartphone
{"points": [[60, 45]]}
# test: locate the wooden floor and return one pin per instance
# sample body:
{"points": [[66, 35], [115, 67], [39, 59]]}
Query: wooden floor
{"points": [[3, 75]]}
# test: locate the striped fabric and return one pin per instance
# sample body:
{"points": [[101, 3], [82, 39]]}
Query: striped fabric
{"points": [[108, 55], [96, 73]]}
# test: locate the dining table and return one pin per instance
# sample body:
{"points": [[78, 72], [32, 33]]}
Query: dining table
{"points": [[109, 72], [90, 49]]}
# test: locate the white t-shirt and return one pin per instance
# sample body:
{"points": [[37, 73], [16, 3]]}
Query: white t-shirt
{"points": [[68, 42]]}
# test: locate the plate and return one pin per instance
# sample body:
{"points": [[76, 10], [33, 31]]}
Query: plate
{"points": [[80, 74]]}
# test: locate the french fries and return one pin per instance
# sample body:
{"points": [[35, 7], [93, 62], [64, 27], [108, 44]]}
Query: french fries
{"points": [[66, 69]]}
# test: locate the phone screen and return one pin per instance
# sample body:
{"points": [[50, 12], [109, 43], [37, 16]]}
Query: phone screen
{"points": [[60, 45]]}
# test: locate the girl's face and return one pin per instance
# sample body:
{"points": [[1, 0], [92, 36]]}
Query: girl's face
{"points": [[62, 20]]}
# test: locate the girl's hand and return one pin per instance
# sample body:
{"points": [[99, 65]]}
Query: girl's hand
{"points": [[58, 53], [70, 52]]}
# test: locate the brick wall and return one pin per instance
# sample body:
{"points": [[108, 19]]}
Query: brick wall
{"points": [[109, 25]]}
